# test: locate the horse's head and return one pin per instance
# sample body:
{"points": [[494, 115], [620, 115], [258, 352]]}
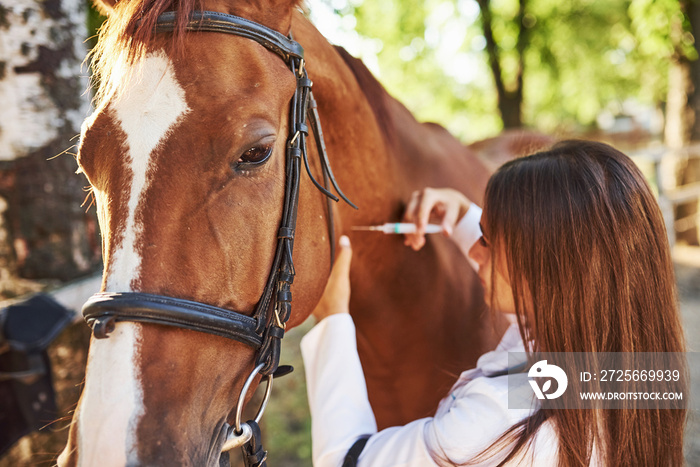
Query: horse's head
{"points": [[187, 157]]}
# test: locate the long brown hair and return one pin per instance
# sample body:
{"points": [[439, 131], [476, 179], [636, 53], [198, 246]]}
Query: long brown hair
{"points": [[583, 236]]}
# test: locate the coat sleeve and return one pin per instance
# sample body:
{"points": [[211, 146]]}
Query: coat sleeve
{"points": [[338, 401], [341, 413], [467, 232]]}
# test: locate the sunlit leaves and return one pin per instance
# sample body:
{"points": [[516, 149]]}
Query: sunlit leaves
{"points": [[583, 58]]}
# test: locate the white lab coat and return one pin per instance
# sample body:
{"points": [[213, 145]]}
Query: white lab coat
{"points": [[471, 417]]}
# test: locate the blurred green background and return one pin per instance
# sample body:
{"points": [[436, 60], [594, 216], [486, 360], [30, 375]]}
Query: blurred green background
{"points": [[555, 66]]}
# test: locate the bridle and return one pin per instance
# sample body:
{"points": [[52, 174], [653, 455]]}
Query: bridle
{"points": [[263, 331]]}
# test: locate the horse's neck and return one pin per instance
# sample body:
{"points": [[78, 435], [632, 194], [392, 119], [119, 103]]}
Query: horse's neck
{"points": [[408, 154], [401, 299]]}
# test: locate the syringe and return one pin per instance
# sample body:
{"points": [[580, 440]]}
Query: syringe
{"points": [[399, 228]]}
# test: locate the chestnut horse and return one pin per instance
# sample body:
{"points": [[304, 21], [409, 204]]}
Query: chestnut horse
{"points": [[185, 153]]}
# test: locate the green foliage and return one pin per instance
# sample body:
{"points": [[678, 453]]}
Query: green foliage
{"points": [[426, 83], [430, 58], [653, 21], [581, 58], [577, 63]]}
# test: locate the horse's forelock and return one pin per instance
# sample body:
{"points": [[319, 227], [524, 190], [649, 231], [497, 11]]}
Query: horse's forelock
{"points": [[130, 31], [127, 34]]}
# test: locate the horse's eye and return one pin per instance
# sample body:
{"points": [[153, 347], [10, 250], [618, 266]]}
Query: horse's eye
{"points": [[256, 155]]}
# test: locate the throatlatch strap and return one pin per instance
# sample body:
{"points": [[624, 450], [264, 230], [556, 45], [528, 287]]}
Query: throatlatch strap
{"points": [[212, 21], [253, 453]]}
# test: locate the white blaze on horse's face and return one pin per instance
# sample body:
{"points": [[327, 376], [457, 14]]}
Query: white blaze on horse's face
{"points": [[151, 104], [111, 403]]}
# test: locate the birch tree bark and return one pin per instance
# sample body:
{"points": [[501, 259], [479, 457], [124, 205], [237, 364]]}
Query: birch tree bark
{"points": [[42, 105], [46, 237]]}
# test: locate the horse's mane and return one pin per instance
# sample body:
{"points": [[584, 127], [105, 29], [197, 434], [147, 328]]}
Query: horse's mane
{"points": [[129, 32], [377, 96]]}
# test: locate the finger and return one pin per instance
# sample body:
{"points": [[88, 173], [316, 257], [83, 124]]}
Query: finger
{"points": [[410, 211], [342, 262], [425, 207], [410, 216], [427, 204], [449, 221]]}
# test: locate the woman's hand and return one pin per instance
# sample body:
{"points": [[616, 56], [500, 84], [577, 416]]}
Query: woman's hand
{"points": [[336, 296], [445, 205]]}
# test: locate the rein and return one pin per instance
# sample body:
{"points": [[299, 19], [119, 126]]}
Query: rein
{"points": [[263, 331]]}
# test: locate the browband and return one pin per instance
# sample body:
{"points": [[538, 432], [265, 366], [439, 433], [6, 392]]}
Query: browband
{"points": [[211, 21]]}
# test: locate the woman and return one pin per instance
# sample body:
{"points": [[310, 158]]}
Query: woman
{"points": [[573, 248]]}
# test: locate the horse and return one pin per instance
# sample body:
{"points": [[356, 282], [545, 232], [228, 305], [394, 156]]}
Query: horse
{"points": [[187, 154]]}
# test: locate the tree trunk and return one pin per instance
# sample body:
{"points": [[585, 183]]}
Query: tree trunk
{"points": [[679, 115], [683, 121], [41, 90], [46, 237], [510, 98], [692, 9]]}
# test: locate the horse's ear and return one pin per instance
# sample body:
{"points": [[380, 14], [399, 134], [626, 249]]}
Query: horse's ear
{"points": [[105, 7]]}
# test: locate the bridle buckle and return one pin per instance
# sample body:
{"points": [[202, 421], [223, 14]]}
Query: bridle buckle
{"points": [[278, 321]]}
